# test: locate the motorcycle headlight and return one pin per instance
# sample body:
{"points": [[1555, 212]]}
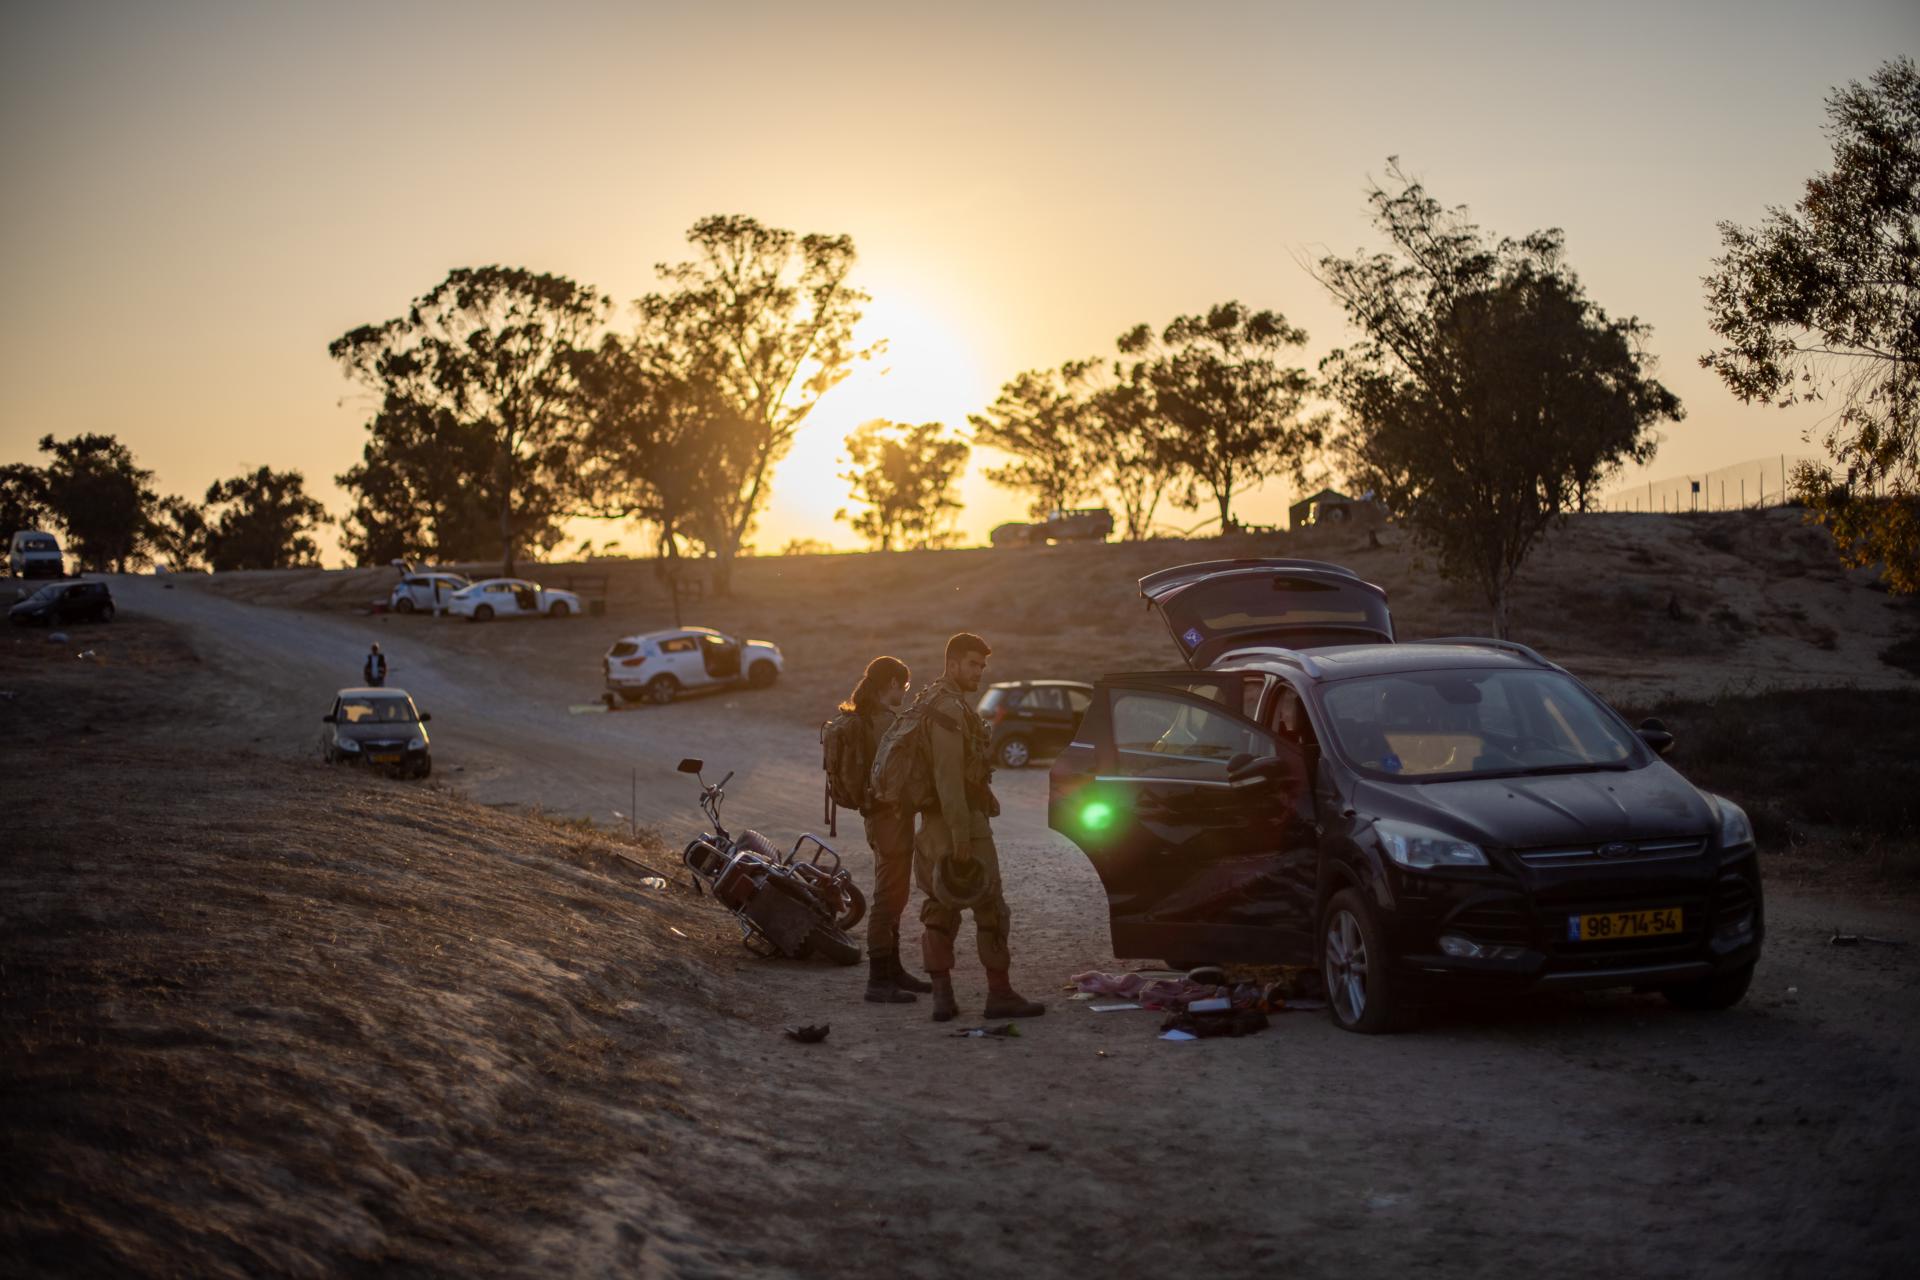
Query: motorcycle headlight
{"points": [[1422, 848], [416, 743], [348, 744], [1736, 830]]}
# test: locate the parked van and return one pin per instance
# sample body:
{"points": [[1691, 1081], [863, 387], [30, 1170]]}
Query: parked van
{"points": [[35, 555]]}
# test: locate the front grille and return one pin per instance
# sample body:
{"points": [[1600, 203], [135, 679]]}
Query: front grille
{"points": [[1665, 849]]}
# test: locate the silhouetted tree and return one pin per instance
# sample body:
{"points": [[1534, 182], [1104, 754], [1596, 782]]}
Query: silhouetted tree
{"points": [[177, 535], [1044, 420], [23, 498], [1235, 413], [1825, 299], [905, 476], [1487, 389], [1134, 443], [426, 487], [663, 446], [102, 500], [767, 317], [488, 349], [262, 520]]}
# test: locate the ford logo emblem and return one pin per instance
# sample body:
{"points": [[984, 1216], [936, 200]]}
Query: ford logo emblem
{"points": [[1618, 849]]}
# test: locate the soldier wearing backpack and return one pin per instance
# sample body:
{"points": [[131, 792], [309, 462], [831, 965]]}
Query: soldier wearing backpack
{"points": [[936, 758], [849, 740]]}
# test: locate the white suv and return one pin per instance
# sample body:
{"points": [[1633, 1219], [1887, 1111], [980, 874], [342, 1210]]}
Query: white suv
{"points": [[661, 665]]}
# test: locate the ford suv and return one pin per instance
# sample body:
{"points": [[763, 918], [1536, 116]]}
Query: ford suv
{"points": [[1415, 818]]}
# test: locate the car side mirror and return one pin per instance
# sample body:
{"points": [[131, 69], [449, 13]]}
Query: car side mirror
{"points": [[691, 766], [327, 718], [1654, 733], [425, 716]]}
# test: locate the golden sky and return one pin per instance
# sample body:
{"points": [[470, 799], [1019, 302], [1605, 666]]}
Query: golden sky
{"points": [[198, 197]]}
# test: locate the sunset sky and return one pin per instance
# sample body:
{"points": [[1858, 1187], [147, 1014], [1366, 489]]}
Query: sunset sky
{"points": [[198, 197]]}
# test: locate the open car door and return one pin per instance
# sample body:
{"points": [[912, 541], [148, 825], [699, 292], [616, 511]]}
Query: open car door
{"points": [[1217, 606], [1197, 867]]}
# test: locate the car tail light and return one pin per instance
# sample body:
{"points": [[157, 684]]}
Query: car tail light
{"points": [[634, 661], [1000, 713]]}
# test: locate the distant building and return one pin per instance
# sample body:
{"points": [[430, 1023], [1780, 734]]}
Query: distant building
{"points": [[1303, 512], [1330, 506]]}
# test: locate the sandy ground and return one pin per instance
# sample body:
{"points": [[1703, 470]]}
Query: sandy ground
{"points": [[1599, 1134]]}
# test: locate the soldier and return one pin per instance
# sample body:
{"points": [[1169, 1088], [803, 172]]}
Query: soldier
{"points": [[954, 860], [874, 702]]}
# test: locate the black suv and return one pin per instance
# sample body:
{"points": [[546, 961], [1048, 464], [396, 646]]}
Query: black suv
{"points": [[1415, 818], [1031, 718], [59, 603]]}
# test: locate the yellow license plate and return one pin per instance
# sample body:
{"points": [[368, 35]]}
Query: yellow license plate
{"points": [[1606, 926]]}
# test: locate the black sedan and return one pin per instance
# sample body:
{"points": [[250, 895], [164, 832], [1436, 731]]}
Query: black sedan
{"points": [[380, 728], [1029, 718], [1414, 818], [60, 603]]}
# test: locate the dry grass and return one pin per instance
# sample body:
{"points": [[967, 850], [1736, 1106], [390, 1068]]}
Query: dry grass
{"points": [[258, 1018]]}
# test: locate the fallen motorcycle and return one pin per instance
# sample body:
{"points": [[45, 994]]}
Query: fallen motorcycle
{"points": [[785, 904]]}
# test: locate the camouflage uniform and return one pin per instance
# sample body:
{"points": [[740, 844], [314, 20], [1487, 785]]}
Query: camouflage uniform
{"points": [[962, 802], [890, 836]]}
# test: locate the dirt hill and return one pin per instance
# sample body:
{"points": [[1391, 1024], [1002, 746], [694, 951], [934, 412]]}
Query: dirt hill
{"points": [[1647, 607]]}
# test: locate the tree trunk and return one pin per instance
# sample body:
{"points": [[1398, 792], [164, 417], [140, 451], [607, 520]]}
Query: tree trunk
{"points": [[723, 570]]}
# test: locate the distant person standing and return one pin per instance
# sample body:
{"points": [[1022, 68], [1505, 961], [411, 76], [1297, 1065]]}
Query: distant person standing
{"points": [[872, 706], [376, 668]]}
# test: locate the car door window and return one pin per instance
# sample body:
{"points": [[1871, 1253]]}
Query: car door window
{"points": [[1155, 735], [1045, 698], [1079, 700]]}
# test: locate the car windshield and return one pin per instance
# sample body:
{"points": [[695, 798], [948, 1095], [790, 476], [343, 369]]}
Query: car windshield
{"points": [[48, 593], [1432, 725], [377, 711], [39, 544]]}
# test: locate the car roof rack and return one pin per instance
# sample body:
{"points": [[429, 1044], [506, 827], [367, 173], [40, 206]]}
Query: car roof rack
{"points": [[1485, 642], [1293, 657]]}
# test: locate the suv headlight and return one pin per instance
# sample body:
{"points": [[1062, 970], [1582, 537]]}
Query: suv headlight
{"points": [[348, 744], [416, 743], [1420, 848], [1736, 830]]}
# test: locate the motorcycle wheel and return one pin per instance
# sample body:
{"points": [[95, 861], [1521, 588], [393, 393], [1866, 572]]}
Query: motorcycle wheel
{"points": [[830, 943], [856, 906]]}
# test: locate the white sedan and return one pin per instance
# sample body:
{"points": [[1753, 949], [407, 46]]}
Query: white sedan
{"points": [[511, 598], [421, 591], [661, 665]]}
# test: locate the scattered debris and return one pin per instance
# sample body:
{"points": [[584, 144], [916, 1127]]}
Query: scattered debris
{"points": [[1115, 1008], [56, 637], [675, 931], [1178, 1035], [1855, 939], [587, 709], [978, 1033], [653, 882], [1221, 1022], [808, 1035]]}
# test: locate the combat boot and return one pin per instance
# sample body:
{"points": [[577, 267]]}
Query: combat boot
{"points": [[1004, 1002], [904, 980], [881, 988], [945, 1007]]}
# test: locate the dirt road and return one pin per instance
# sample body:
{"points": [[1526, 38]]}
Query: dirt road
{"points": [[1583, 1135]]}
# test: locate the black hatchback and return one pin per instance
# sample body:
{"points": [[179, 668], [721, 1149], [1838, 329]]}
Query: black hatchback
{"points": [[1029, 718], [1414, 818], [60, 603]]}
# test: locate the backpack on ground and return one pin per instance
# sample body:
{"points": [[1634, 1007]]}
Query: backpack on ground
{"points": [[845, 755]]}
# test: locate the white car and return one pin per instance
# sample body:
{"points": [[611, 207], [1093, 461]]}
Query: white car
{"points": [[416, 591], [34, 554], [511, 598], [661, 665]]}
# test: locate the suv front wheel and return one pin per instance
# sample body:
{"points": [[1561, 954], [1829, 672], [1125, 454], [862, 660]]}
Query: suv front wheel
{"points": [[1353, 960]]}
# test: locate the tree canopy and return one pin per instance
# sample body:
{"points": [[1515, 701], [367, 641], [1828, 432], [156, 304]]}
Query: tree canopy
{"points": [[1043, 420], [262, 519], [904, 476], [1823, 301], [766, 317], [100, 497], [1235, 413], [487, 356], [1488, 394]]}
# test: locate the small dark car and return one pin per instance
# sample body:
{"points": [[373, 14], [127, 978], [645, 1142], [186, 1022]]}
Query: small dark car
{"points": [[1416, 819], [1031, 718], [60, 603], [380, 728]]}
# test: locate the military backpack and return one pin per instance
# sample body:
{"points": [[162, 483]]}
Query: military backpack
{"points": [[846, 754], [902, 772]]}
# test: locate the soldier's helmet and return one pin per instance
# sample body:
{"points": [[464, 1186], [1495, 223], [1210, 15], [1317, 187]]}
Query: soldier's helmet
{"points": [[961, 882]]}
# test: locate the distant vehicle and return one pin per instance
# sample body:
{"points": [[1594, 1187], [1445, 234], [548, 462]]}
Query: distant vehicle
{"points": [[380, 728], [59, 603], [1030, 718], [34, 554], [1417, 819], [415, 591], [659, 666], [511, 598], [1078, 524]]}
